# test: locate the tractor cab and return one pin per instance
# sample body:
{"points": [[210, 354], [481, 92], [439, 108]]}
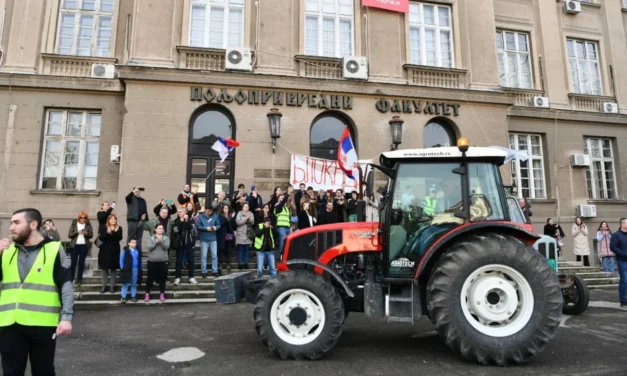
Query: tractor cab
{"points": [[434, 192]]}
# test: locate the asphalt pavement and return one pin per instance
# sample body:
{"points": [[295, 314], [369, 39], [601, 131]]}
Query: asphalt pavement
{"points": [[132, 340]]}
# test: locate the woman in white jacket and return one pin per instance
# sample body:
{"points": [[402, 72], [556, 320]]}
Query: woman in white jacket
{"points": [[580, 238]]}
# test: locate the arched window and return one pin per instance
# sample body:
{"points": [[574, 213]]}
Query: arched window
{"points": [[209, 125], [325, 135], [206, 173], [438, 133]]}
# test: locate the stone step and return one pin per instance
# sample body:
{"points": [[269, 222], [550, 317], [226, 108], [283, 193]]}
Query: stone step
{"points": [[580, 269], [601, 281], [154, 294], [184, 280], [140, 301], [603, 287], [172, 272], [184, 286], [588, 275]]}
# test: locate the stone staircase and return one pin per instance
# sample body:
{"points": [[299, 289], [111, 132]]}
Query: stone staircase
{"points": [[594, 276], [88, 293]]}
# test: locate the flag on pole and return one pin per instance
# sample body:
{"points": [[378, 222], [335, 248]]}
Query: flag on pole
{"points": [[347, 156], [224, 146]]}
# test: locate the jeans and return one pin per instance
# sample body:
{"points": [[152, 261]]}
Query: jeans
{"points": [[133, 285], [180, 258], [608, 264], [283, 233], [18, 343], [243, 254], [204, 248], [269, 256], [622, 285], [78, 253]]}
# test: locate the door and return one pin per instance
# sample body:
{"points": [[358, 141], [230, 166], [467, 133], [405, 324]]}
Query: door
{"points": [[207, 174]]}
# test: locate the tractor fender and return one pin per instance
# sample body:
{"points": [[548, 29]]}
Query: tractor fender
{"points": [[456, 233], [333, 274]]}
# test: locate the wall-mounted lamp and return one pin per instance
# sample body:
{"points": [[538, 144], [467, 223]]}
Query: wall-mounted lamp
{"points": [[396, 126], [274, 121]]}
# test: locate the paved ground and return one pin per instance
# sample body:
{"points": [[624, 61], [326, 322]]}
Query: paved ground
{"points": [[127, 340]]}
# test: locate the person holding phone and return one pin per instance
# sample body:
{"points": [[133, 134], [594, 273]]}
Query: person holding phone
{"points": [[136, 208], [103, 214], [49, 231], [80, 234]]}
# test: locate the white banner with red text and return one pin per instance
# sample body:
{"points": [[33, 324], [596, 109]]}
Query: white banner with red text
{"points": [[321, 174]]}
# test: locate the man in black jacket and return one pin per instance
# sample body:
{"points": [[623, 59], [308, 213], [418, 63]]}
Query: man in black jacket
{"points": [[183, 241], [136, 208], [329, 215]]}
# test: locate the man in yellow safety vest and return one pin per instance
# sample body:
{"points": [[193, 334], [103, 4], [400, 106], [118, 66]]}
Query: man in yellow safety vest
{"points": [[36, 289], [430, 203]]}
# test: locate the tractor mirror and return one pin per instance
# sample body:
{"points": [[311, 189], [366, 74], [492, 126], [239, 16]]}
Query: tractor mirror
{"points": [[370, 183]]}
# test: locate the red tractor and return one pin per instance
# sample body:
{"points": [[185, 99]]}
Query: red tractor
{"points": [[445, 247]]}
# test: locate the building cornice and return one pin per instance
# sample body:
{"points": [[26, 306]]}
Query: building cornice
{"points": [[567, 115], [128, 73], [49, 83]]}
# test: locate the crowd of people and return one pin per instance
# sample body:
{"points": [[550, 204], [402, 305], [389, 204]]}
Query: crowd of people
{"points": [[244, 223]]}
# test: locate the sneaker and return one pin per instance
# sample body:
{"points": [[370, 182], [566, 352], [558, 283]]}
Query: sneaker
{"points": [[147, 298], [123, 301], [177, 281], [204, 275], [162, 297], [623, 305], [193, 281], [134, 299]]}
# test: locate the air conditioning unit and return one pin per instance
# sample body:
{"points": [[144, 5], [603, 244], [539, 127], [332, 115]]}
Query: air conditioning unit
{"points": [[102, 71], [239, 59], [580, 160], [542, 102], [115, 154], [609, 108], [572, 6], [587, 211], [355, 67]]}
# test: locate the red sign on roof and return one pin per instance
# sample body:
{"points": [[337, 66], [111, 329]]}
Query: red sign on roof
{"points": [[393, 5]]}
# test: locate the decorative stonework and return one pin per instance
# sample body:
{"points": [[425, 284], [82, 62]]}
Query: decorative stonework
{"points": [[262, 173], [436, 77], [73, 66]]}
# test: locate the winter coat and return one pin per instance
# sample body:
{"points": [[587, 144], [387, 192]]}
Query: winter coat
{"points": [[109, 255], [303, 220], [136, 207], [129, 260], [203, 222], [73, 233], [618, 245], [102, 220], [313, 206], [151, 224], [604, 238], [182, 234], [241, 233], [580, 237], [255, 203], [225, 228], [327, 217], [54, 235]]}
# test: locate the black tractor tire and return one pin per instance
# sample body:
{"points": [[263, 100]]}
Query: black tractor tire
{"points": [[583, 298], [444, 292], [330, 299]]}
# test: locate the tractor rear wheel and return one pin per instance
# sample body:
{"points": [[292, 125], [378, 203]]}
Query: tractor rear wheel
{"points": [[494, 300], [576, 297], [299, 315]]}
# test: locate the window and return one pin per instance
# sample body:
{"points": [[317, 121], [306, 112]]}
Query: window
{"points": [[437, 134], [514, 60], [583, 58], [70, 150], [325, 135], [600, 176], [85, 27], [528, 175], [329, 28], [217, 23], [430, 35]]}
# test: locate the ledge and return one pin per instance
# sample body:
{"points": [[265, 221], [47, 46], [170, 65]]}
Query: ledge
{"points": [[591, 5], [608, 202], [201, 58], [63, 193], [319, 66], [543, 201], [425, 75], [100, 59], [589, 103], [590, 96], [523, 97]]}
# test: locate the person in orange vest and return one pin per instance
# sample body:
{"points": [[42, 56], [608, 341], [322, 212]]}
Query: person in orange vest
{"points": [[187, 196], [36, 292]]}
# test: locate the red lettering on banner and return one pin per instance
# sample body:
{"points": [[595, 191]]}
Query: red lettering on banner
{"points": [[393, 5], [295, 171]]}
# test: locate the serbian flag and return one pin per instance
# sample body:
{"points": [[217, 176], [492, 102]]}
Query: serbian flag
{"points": [[347, 156], [224, 146]]}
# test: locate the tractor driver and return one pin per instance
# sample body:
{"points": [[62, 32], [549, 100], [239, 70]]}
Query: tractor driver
{"points": [[430, 203]]}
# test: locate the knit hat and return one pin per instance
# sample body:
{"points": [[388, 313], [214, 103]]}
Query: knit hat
{"points": [[253, 188]]}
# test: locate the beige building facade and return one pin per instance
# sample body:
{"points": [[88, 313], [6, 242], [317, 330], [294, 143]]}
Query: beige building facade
{"points": [[80, 79]]}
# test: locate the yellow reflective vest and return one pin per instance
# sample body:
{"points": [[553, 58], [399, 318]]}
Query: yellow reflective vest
{"points": [[36, 301], [283, 217], [259, 240], [430, 205]]}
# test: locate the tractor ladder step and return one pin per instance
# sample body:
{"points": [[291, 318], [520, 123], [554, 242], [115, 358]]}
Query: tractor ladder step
{"points": [[400, 319]]}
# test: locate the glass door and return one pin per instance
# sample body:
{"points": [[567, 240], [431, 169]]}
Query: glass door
{"points": [[208, 176]]}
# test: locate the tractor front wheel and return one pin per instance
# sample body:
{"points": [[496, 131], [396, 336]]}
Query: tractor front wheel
{"points": [[494, 300], [299, 315], [576, 297]]}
